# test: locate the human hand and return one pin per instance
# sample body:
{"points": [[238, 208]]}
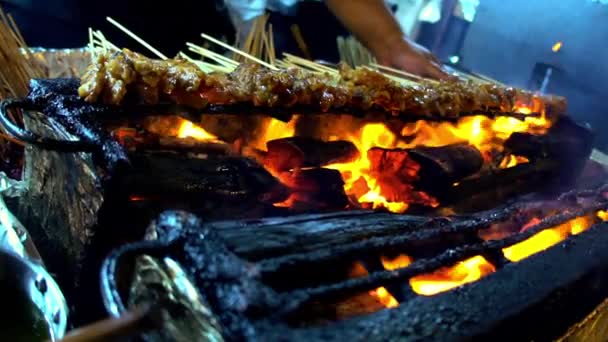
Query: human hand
{"points": [[408, 56]]}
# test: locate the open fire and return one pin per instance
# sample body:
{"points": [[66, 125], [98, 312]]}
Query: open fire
{"points": [[380, 174], [306, 263]]}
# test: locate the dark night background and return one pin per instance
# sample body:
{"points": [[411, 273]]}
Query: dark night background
{"points": [[507, 41]]}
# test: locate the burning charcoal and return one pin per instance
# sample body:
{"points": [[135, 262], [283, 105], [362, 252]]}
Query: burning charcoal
{"points": [[315, 189], [394, 162], [446, 164], [298, 152], [395, 173]]}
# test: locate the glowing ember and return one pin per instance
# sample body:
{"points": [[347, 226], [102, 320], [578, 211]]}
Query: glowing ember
{"points": [[275, 129], [511, 161], [401, 261], [448, 278], [546, 238], [361, 178], [381, 294], [189, 130], [385, 297], [603, 215], [384, 179]]}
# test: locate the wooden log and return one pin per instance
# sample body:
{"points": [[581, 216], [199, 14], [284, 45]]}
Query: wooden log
{"points": [[314, 190], [168, 174], [566, 142], [300, 152], [134, 140], [302, 233], [441, 166], [395, 174]]}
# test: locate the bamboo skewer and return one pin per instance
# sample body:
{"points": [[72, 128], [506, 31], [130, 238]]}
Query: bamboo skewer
{"points": [[136, 38], [237, 51], [307, 63], [399, 72], [271, 40], [224, 61], [297, 34]]}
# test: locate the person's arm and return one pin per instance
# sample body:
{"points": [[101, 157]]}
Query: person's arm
{"points": [[374, 25]]}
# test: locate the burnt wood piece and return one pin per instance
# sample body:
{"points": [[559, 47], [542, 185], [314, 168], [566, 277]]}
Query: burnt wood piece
{"points": [[301, 152], [566, 142], [442, 166], [493, 187], [169, 174], [133, 140], [308, 232], [429, 169], [556, 160], [315, 190], [396, 173]]}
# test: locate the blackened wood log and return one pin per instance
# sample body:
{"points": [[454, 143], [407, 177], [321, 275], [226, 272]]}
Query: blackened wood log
{"points": [[566, 142], [134, 140], [168, 174], [406, 175], [299, 152], [315, 190], [489, 189], [303, 233], [395, 174], [441, 166]]}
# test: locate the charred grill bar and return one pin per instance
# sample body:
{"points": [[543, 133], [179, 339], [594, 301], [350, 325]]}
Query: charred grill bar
{"points": [[274, 296]]}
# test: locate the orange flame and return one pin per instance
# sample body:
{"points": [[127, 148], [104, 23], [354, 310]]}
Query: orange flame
{"points": [[371, 135], [603, 215], [448, 278], [381, 294], [364, 185], [511, 161], [547, 238], [189, 130], [401, 261], [275, 129]]}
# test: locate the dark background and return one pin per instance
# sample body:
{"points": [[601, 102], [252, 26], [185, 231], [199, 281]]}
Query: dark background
{"points": [[167, 25]]}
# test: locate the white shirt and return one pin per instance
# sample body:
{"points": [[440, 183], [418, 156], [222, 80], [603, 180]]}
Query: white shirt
{"points": [[242, 12], [246, 10]]}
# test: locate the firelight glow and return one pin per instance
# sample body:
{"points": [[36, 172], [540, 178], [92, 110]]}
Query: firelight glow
{"points": [[368, 184], [603, 215], [189, 130], [477, 267], [381, 294], [447, 278], [547, 238]]}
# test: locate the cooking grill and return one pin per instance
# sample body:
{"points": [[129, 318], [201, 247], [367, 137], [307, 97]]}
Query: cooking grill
{"points": [[264, 277], [267, 280]]}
